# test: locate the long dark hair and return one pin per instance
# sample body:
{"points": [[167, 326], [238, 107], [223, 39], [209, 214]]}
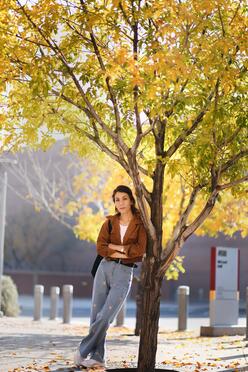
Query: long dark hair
{"points": [[128, 191]]}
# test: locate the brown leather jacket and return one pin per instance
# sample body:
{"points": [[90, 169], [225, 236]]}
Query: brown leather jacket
{"points": [[134, 240]]}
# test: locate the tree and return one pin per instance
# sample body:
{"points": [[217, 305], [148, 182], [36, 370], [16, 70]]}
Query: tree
{"points": [[160, 87], [36, 241], [74, 191]]}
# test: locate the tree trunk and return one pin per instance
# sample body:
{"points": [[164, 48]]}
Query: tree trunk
{"points": [[150, 317], [139, 297], [152, 281], [138, 309]]}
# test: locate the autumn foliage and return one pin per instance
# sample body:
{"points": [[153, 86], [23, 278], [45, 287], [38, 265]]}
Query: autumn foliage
{"points": [[159, 86]]}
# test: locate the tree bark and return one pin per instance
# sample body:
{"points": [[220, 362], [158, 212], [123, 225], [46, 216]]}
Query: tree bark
{"points": [[138, 309], [150, 317], [139, 296]]}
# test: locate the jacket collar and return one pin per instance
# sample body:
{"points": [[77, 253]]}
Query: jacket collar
{"points": [[136, 218]]}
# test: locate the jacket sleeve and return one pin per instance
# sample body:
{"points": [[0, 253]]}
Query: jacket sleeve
{"points": [[103, 241], [139, 248]]}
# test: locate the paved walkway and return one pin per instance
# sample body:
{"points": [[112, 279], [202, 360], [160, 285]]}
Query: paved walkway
{"points": [[46, 346]]}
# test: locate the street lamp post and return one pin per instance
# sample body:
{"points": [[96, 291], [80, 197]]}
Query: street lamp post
{"points": [[3, 193]]}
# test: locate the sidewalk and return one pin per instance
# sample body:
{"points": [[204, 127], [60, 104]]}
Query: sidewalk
{"points": [[46, 346]]}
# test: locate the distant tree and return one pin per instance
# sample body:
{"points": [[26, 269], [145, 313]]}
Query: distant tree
{"points": [[34, 241], [75, 192]]}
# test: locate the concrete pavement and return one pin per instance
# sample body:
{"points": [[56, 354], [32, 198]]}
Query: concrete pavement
{"points": [[29, 346]]}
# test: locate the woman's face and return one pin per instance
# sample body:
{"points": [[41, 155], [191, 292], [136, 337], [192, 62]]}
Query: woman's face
{"points": [[122, 202]]}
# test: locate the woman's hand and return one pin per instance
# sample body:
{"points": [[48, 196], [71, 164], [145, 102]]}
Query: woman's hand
{"points": [[117, 248], [116, 254], [117, 251]]}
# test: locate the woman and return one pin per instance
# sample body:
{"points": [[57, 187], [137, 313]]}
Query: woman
{"points": [[122, 242]]}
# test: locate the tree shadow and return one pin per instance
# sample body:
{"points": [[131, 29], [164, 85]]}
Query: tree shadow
{"points": [[41, 341], [73, 369], [44, 347], [236, 369], [239, 356], [67, 369], [231, 347]]}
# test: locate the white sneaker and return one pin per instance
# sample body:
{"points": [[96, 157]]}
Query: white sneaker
{"points": [[78, 360], [92, 363]]}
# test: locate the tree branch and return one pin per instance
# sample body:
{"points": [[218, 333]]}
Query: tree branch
{"points": [[42, 196], [232, 184], [73, 28], [136, 88], [221, 21], [180, 139], [235, 13], [62, 58], [69, 100], [174, 245], [233, 160], [114, 156], [180, 226], [6, 31], [202, 216], [228, 140], [118, 139], [135, 29], [110, 89], [125, 15]]}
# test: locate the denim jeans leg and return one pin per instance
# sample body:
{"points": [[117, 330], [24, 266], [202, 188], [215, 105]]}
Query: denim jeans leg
{"points": [[99, 295], [120, 286], [120, 279], [100, 291]]}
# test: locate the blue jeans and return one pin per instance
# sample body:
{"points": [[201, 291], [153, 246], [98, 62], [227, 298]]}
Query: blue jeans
{"points": [[112, 284]]}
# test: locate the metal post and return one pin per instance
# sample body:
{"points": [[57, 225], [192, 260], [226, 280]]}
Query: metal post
{"points": [[246, 313], [120, 318], [54, 299], [3, 192], [67, 303], [38, 301], [183, 301]]}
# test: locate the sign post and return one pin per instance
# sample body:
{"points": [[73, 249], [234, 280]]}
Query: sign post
{"points": [[224, 286], [224, 293]]}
